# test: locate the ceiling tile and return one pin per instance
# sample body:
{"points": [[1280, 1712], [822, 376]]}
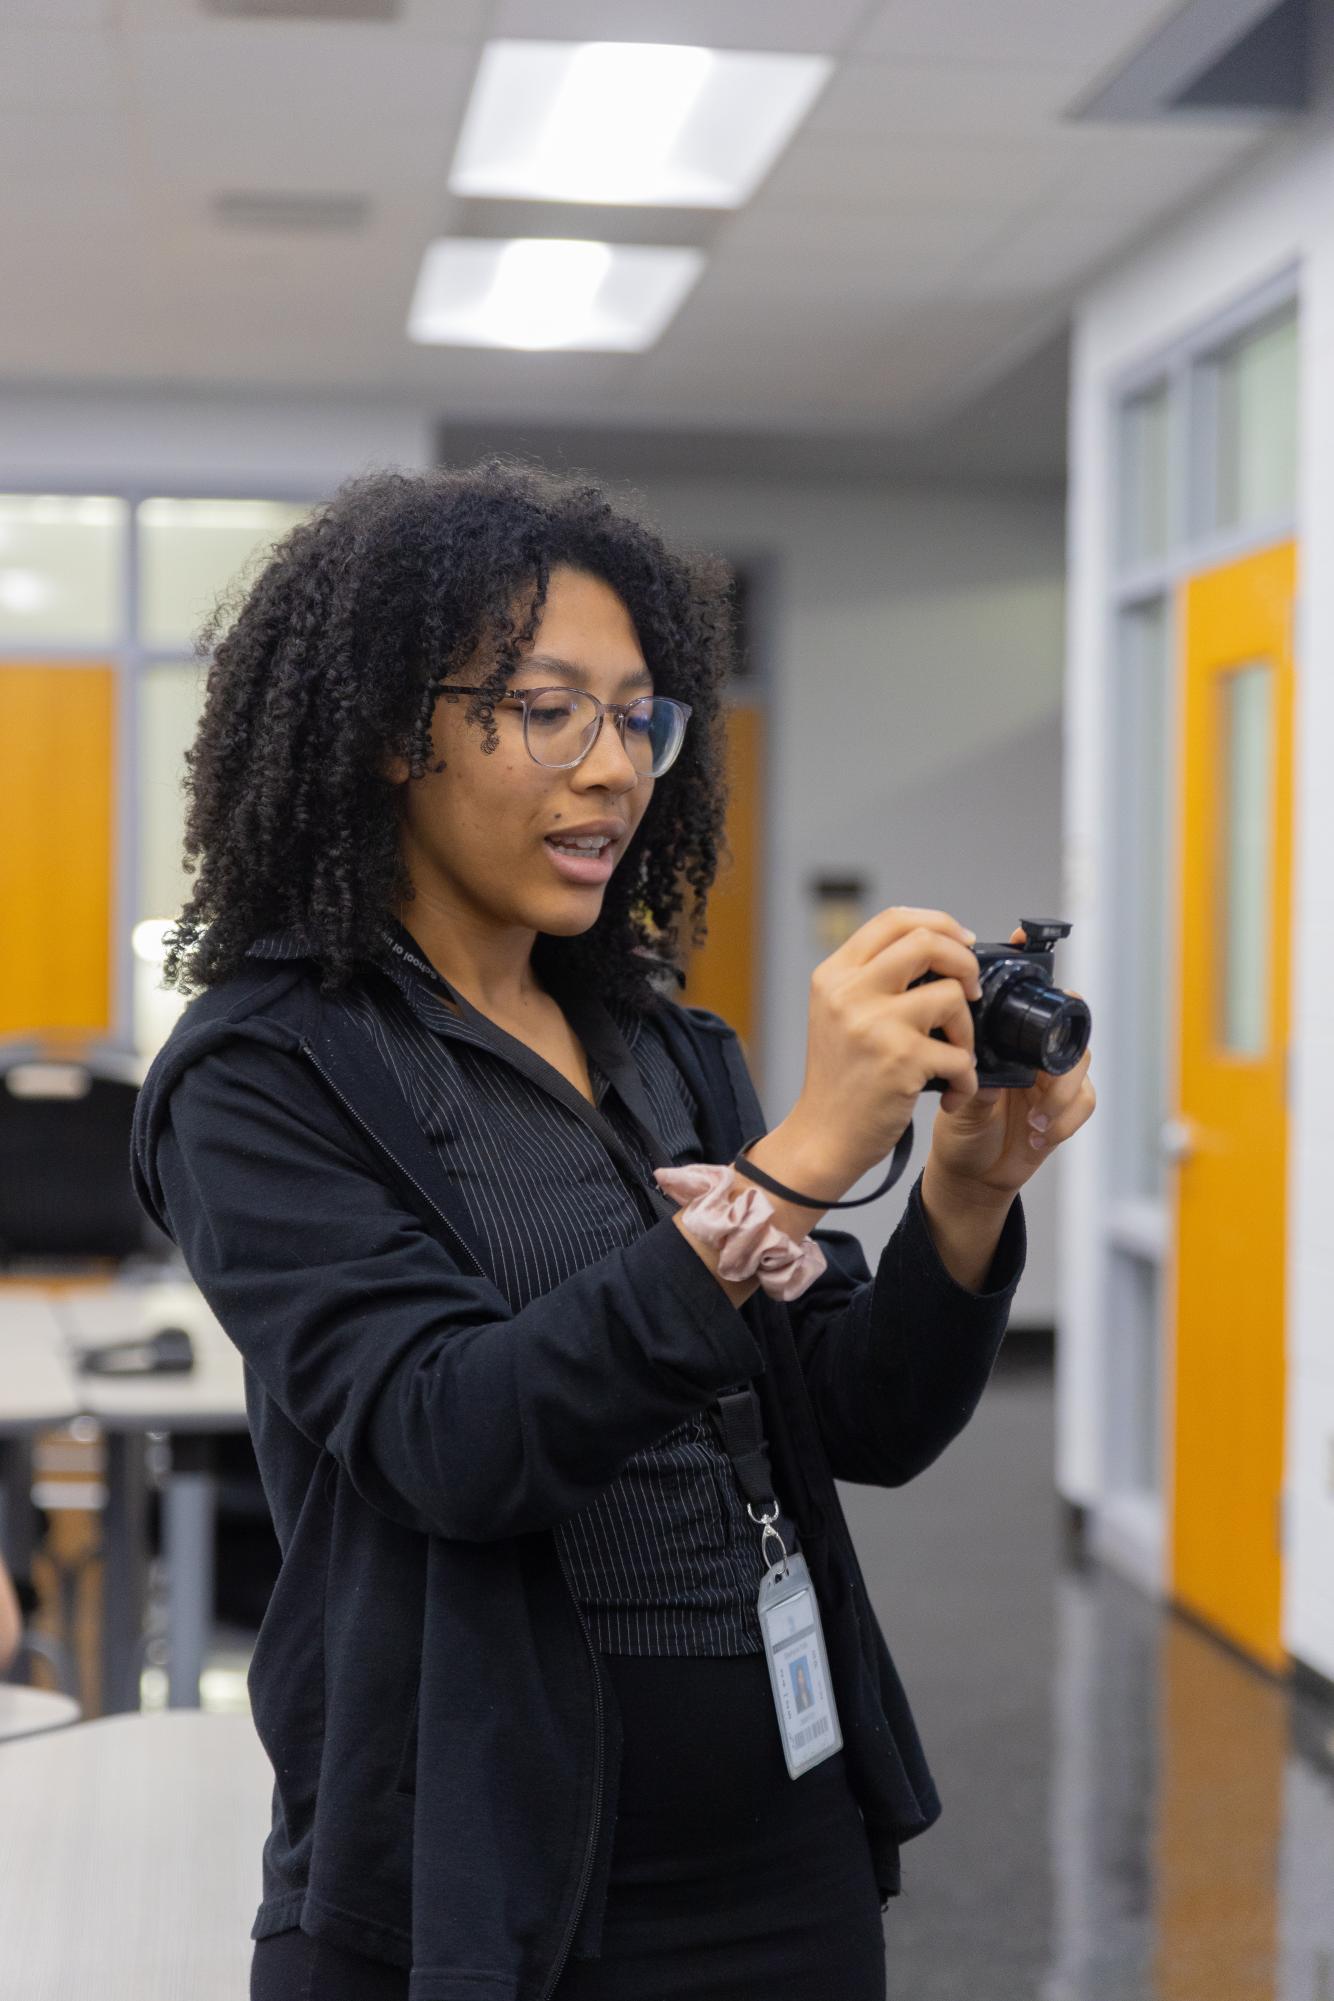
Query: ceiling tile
{"points": [[58, 66], [85, 306], [57, 147], [452, 20], [1134, 168], [889, 170], [830, 372], [858, 258], [719, 24], [940, 357], [308, 126], [948, 100], [1097, 218], [1053, 34], [1051, 254], [59, 13], [932, 214], [455, 20]]}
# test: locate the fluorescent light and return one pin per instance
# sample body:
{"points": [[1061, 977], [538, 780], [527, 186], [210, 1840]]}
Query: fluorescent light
{"points": [[25, 592], [654, 124], [148, 939], [539, 292]]}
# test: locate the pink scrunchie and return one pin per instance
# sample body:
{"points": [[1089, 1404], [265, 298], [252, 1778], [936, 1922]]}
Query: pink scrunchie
{"points": [[738, 1227]]}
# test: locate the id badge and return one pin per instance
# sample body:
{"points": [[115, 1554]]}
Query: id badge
{"points": [[794, 1649]]}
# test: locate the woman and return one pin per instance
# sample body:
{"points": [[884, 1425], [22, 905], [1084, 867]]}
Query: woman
{"points": [[409, 1135], [11, 1620]]}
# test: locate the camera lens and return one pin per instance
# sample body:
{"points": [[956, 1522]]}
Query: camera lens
{"points": [[1037, 1026], [1066, 1039]]}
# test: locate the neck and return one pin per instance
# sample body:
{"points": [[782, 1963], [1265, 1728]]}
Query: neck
{"points": [[492, 969]]}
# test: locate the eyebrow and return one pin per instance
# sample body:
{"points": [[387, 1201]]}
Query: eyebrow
{"points": [[639, 677]]}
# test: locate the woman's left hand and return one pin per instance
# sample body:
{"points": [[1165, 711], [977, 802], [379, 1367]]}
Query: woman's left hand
{"points": [[999, 1139]]}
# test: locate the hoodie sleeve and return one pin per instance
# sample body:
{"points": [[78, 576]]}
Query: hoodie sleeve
{"points": [[896, 1364], [450, 1411]]}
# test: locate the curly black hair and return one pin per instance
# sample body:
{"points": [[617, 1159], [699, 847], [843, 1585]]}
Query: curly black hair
{"points": [[333, 661]]}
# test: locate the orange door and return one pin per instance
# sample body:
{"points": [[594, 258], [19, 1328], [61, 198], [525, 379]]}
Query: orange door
{"points": [[57, 848], [721, 974], [1231, 1187]]}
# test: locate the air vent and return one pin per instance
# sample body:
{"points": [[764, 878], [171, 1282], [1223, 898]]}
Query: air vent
{"points": [[242, 209], [1244, 55], [307, 10]]}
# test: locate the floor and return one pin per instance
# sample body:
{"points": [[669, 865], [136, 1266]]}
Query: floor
{"points": [[1131, 1813]]}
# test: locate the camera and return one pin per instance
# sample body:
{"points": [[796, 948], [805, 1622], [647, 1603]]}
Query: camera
{"points": [[1023, 1022]]}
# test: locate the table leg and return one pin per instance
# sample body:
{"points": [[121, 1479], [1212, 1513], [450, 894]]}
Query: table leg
{"points": [[16, 1514], [189, 1502], [124, 1570]]}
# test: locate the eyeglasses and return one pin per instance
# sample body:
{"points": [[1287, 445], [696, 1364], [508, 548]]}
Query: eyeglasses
{"points": [[561, 725]]}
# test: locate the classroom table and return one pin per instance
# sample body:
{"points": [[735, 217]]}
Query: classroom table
{"points": [[40, 1331], [37, 1393], [27, 1712], [130, 1858], [191, 1408]]}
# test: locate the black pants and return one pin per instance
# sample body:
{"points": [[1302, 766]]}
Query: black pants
{"points": [[729, 1880]]}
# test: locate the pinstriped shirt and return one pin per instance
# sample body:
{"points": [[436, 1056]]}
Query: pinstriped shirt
{"points": [[665, 1560]]}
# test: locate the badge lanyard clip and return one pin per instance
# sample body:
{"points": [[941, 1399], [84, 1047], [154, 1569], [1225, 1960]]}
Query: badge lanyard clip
{"points": [[741, 1423]]}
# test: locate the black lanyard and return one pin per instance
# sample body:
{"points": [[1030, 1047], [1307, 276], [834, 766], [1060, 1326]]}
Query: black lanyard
{"points": [[737, 1412]]}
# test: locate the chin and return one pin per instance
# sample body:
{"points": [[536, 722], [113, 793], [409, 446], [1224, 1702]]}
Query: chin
{"points": [[569, 923]]}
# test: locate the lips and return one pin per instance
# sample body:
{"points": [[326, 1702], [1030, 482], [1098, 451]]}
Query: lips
{"points": [[586, 868]]}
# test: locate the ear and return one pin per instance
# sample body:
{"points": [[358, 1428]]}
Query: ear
{"points": [[396, 769]]}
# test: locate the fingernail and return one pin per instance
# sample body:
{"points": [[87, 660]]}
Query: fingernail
{"points": [[971, 936], [1036, 1140], [1039, 1121]]}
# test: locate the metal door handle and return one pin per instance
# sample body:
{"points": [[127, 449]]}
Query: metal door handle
{"points": [[1176, 1140]]}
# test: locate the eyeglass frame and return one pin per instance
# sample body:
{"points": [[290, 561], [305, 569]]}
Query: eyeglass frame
{"points": [[617, 710]]}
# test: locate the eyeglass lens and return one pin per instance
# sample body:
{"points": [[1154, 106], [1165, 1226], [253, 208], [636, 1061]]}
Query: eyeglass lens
{"points": [[560, 725]]}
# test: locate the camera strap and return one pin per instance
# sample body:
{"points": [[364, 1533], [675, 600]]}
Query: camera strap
{"points": [[898, 1162]]}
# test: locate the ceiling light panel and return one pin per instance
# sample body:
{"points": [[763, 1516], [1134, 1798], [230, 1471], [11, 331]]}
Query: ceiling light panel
{"points": [[653, 124], [545, 293]]}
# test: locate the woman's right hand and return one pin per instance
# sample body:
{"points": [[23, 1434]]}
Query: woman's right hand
{"points": [[869, 1050]]}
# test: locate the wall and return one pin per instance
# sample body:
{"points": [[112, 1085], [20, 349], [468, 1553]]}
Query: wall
{"points": [[912, 638], [1280, 212], [250, 446]]}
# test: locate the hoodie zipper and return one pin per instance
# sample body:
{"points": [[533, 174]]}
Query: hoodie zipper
{"points": [[591, 1850], [376, 1141]]}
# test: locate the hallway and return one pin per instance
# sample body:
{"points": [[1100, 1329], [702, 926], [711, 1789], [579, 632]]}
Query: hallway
{"points": [[1131, 1812]]}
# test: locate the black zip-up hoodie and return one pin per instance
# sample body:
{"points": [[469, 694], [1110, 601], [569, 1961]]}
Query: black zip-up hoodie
{"points": [[445, 1755]]}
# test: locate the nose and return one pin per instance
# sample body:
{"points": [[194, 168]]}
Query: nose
{"points": [[608, 762]]}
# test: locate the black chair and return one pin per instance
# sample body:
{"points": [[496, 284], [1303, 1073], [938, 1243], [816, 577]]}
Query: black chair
{"points": [[66, 1204], [66, 1198], [65, 1192]]}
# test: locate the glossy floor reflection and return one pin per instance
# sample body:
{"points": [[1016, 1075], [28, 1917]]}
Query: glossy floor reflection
{"points": [[1131, 1813]]}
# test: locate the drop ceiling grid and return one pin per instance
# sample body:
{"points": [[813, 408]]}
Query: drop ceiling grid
{"points": [[736, 24], [59, 13], [915, 174], [939, 179], [447, 20], [42, 67], [350, 109], [1051, 34]]}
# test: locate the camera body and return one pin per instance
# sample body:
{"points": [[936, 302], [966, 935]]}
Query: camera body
{"points": [[1023, 1023]]}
